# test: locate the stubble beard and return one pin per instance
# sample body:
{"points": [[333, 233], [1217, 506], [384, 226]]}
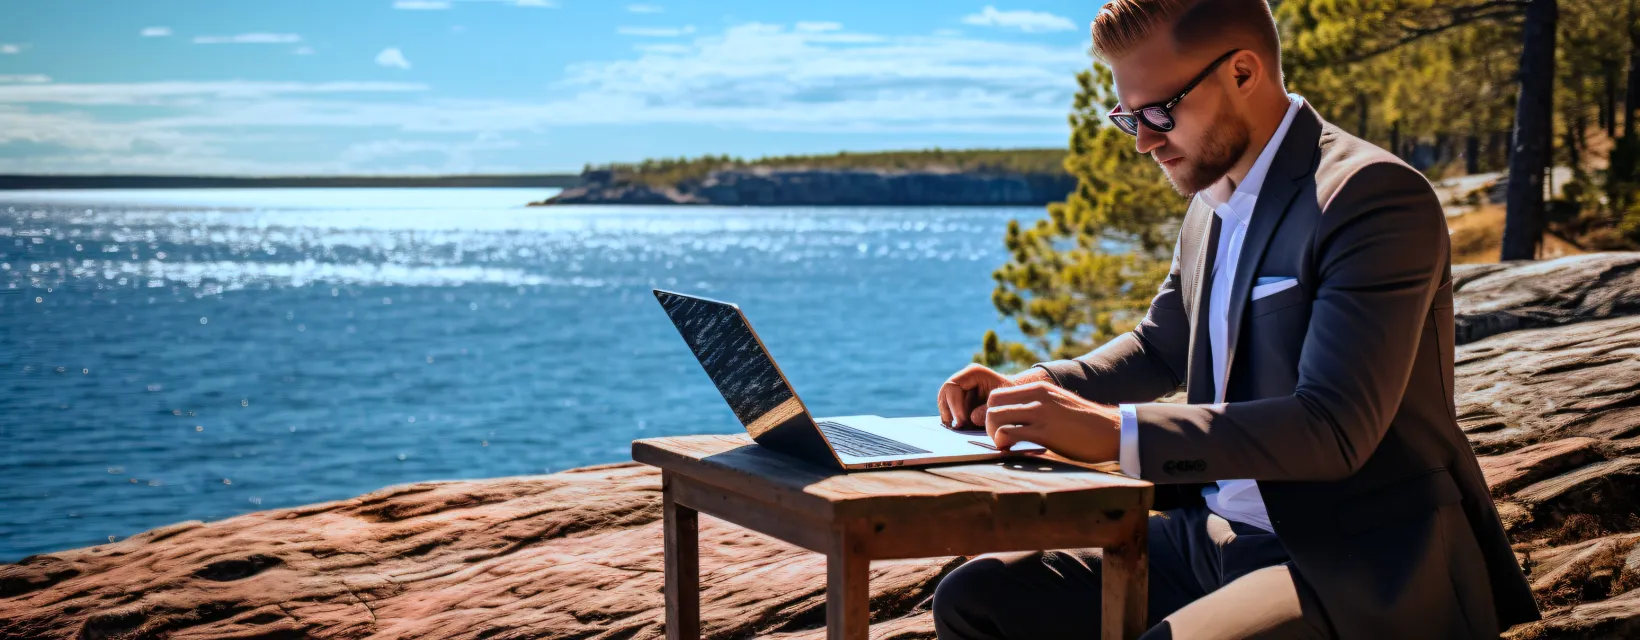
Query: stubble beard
{"points": [[1225, 142]]}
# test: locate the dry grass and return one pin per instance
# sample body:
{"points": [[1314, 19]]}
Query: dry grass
{"points": [[1478, 235]]}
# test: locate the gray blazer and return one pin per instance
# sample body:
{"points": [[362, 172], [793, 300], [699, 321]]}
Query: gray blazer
{"points": [[1339, 401]]}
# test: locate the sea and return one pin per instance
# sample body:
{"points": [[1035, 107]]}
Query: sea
{"points": [[171, 355]]}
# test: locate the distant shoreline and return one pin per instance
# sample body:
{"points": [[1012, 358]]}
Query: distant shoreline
{"points": [[17, 182]]}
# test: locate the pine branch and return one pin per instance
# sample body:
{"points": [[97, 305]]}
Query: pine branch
{"points": [[1413, 29], [1460, 17]]}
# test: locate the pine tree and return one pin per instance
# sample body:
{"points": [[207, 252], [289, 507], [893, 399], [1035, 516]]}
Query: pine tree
{"points": [[1087, 272]]}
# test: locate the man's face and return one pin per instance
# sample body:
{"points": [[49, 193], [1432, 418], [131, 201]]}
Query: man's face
{"points": [[1209, 133]]}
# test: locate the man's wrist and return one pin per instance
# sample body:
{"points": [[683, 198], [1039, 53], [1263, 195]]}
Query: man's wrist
{"points": [[1036, 373], [1108, 431]]}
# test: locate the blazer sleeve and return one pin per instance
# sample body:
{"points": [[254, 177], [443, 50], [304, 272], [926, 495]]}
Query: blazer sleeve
{"points": [[1141, 365], [1380, 249]]}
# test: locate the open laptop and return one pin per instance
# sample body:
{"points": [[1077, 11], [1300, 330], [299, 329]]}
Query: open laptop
{"points": [[764, 401]]}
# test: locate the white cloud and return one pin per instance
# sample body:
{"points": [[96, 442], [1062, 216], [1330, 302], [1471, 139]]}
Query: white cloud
{"points": [[250, 38], [392, 57], [644, 8], [770, 77], [661, 48], [818, 27], [11, 49], [156, 32], [1023, 20], [303, 51], [421, 5], [33, 78], [179, 93], [545, 4], [655, 32]]}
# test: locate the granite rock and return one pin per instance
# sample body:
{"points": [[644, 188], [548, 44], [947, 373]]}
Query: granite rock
{"points": [[575, 554], [1496, 298]]}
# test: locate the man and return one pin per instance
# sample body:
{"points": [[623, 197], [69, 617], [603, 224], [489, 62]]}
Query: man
{"points": [[1316, 484]]}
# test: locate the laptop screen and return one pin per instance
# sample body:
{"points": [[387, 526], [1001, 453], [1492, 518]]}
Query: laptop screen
{"points": [[742, 371]]}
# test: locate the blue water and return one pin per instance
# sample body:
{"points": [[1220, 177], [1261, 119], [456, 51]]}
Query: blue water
{"points": [[176, 355]]}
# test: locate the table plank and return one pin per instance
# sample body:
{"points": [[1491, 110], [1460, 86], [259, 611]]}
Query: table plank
{"points": [[733, 507], [736, 462]]}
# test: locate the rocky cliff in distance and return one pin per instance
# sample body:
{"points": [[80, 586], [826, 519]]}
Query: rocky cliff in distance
{"points": [[1550, 399], [764, 186]]}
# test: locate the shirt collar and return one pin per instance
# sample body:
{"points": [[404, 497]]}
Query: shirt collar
{"points": [[1241, 202]]}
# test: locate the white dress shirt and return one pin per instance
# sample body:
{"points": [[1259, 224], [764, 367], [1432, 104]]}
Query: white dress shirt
{"points": [[1235, 500]]}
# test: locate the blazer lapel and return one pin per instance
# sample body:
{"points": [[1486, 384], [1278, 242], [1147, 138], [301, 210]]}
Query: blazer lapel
{"points": [[1294, 161], [1206, 252]]}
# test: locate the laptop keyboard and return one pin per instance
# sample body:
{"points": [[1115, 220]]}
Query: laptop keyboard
{"points": [[862, 444]]}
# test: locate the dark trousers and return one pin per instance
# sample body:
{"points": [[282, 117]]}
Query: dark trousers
{"points": [[1209, 578]]}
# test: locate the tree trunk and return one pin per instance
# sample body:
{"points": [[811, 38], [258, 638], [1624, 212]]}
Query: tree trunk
{"points": [[1472, 155], [1572, 159], [1361, 118], [1395, 139], [1608, 107], [1631, 100], [1534, 126]]}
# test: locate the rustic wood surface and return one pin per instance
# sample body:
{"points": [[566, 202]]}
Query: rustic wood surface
{"points": [[1022, 485]]}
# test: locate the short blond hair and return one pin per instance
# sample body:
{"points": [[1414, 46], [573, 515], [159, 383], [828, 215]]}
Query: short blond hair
{"points": [[1122, 24]]}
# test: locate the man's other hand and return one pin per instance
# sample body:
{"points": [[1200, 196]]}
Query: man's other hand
{"points": [[963, 397], [1062, 421]]}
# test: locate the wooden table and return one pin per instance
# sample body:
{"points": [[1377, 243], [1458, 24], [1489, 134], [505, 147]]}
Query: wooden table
{"points": [[854, 518]]}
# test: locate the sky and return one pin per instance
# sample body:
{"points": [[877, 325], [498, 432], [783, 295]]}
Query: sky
{"points": [[379, 87]]}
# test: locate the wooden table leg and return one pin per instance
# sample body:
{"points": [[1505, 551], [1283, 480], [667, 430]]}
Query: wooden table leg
{"points": [[1126, 581], [682, 526], [848, 595]]}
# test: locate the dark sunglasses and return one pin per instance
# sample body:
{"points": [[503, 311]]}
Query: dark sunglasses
{"points": [[1157, 115]]}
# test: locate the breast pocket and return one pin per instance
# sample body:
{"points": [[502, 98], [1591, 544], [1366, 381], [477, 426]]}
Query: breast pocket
{"points": [[1276, 296]]}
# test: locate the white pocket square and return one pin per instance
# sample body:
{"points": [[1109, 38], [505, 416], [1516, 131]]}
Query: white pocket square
{"points": [[1267, 286]]}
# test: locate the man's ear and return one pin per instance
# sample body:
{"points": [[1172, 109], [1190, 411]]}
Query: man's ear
{"points": [[1245, 67]]}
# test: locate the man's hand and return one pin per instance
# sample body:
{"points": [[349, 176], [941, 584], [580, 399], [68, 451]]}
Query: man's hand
{"points": [[1062, 421], [963, 397]]}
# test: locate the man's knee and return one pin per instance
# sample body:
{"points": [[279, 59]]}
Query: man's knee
{"points": [[969, 588], [1040, 594]]}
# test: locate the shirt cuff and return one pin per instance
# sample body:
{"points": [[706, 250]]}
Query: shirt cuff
{"points": [[1128, 456]]}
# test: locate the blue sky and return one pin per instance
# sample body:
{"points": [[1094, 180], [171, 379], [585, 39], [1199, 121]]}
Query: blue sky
{"points": [[279, 87]]}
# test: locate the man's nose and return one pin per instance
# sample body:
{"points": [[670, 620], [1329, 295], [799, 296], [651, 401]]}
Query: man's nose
{"points": [[1148, 139]]}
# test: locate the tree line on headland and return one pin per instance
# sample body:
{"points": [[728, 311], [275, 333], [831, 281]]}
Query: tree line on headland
{"points": [[1031, 177], [668, 171]]}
